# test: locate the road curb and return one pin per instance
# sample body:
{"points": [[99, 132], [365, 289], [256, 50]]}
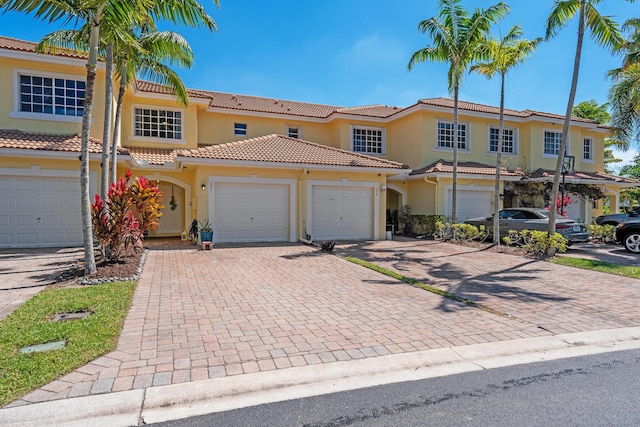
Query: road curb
{"points": [[163, 403]]}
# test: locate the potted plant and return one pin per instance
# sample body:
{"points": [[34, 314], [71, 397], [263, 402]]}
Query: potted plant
{"points": [[206, 232]]}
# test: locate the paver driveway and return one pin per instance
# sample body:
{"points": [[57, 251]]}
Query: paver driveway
{"points": [[234, 310]]}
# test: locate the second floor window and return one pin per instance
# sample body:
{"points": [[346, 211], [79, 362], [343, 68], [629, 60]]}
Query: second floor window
{"points": [[552, 142], [587, 149], [367, 140], [239, 128], [445, 135], [51, 95], [508, 140], [165, 124], [293, 131]]}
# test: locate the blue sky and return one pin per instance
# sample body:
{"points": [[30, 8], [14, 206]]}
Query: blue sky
{"points": [[355, 52]]}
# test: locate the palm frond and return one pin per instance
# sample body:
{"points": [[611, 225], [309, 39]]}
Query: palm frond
{"points": [[561, 14]]}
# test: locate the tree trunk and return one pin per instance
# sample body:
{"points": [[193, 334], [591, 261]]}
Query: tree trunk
{"points": [[567, 121], [454, 186], [496, 190], [106, 131], [116, 123], [87, 234]]}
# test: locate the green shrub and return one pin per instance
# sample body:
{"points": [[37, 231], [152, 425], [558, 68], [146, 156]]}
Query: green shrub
{"points": [[537, 243], [459, 232], [603, 233], [425, 224]]}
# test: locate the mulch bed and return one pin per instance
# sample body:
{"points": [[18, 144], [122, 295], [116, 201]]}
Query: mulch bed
{"points": [[124, 269]]}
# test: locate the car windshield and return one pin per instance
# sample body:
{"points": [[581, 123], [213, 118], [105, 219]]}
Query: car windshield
{"points": [[543, 214]]}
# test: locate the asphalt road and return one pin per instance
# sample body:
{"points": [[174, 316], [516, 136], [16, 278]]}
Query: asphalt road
{"points": [[599, 390]]}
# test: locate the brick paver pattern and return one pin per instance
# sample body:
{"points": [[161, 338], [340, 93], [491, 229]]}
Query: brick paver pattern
{"points": [[206, 314]]}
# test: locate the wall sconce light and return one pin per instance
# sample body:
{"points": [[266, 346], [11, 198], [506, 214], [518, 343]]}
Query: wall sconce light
{"points": [[203, 187], [383, 188]]}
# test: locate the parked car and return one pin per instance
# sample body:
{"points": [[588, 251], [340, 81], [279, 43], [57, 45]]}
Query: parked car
{"points": [[628, 235], [615, 219], [532, 219]]}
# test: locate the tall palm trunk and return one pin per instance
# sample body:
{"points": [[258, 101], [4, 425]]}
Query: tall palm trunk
{"points": [[454, 186], [496, 190], [116, 122], [106, 131], [87, 234], [567, 121]]}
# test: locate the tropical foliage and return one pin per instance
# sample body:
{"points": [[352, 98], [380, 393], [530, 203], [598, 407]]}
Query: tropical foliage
{"points": [[498, 57], [456, 35], [132, 207]]}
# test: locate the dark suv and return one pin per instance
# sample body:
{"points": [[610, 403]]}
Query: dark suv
{"points": [[628, 234], [615, 219]]}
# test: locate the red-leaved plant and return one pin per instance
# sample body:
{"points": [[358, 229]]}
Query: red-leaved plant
{"points": [[119, 223]]}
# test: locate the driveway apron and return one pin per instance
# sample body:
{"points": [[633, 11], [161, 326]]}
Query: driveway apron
{"points": [[206, 314]]}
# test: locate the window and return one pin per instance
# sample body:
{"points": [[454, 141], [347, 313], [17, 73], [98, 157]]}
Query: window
{"points": [[239, 128], [367, 140], [294, 131], [509, 143], [552, 143], [587, 149], [166, 124], [445, 135], [51, 95]]}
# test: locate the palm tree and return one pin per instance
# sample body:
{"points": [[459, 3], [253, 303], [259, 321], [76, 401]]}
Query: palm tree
{"points": [[605, 32], [119, 17], [624, 94], [456, 36], [500, 57], [148, 62]]}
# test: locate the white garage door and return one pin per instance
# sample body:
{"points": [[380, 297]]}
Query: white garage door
{"points": [[471, 204], [251, 213], [40, 212], [342, 213]]}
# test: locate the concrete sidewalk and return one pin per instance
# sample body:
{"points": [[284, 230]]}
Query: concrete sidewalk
{"points": [[261, 312]]}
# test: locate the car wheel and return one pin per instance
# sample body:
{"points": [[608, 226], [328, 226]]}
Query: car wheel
{"points": [[632, 242]]}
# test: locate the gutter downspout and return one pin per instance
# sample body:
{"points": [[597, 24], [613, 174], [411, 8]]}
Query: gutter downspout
{"points": [[301, 237], [426, 179]]}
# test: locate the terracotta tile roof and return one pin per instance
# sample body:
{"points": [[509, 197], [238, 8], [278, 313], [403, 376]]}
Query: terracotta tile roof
{"points": [[26, 46], [471, 168], [603, 177], [152, 156], [481, 108], [282, 149], [371, 111], [16, 139], [145, 86]]}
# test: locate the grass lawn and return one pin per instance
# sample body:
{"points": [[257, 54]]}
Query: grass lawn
{"points": [[86, 339], [604, 267]]}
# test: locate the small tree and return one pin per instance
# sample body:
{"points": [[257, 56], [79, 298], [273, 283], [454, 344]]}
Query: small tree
{"points": [[131, 209]]}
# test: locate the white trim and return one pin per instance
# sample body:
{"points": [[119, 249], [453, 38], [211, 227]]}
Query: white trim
{"points": [[344, 183], [187, 193], [516, 140], [403, 193], [47, 154], [255, 180], [167, 141], [383, 132], [42, 57], [17, 114]]}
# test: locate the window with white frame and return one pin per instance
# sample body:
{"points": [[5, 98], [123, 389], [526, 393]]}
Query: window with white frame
{"points": [[551, 145], [294, 131], [367, 140], [239, 128], [509, 140], [445, 135], [587, 149], [54, 95], [153, 123]]}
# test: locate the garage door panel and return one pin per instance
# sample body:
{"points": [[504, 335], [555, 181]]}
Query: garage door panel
{"points": [[342, 213], [40, 211], [471, 204], [251, 212]]}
